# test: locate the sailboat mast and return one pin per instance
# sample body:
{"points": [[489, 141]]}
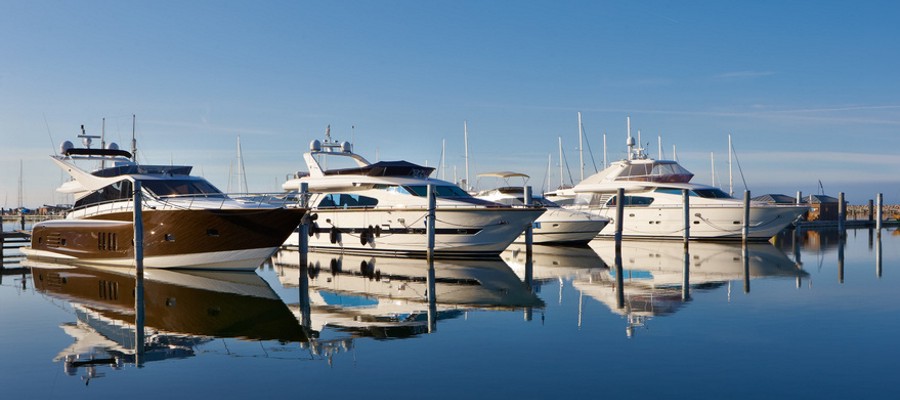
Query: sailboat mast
{"points": [[580, 146], [466, 142], [242, 174], [560, 163], [730, 175]]}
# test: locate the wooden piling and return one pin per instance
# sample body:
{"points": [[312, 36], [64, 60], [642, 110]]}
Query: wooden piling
{"points": [[880, 214], [432, 202], [138, 224], [745, 229], [686, 206]]}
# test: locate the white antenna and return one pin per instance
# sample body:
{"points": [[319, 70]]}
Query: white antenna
{"points": [[674, 153], [659, 146], [604, 150], [580, 146], [549, 163], [466, 142], [730, 176], [630, 141], [712, 167]]}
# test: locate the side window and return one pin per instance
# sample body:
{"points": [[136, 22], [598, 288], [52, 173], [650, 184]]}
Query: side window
{"points": [[346, 201]]}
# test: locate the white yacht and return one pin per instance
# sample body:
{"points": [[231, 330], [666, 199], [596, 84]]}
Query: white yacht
{"points": [[382, 207], [188, 223], [653, 202], [556, 226]]}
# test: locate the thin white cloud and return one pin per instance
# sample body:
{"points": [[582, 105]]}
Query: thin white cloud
{"points": [[743, 74]]}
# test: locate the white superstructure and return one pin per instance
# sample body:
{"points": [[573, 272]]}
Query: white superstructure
{"points": [[382, 207], [654, 206]]}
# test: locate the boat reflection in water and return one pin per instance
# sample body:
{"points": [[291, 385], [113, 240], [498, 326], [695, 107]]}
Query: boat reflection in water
{"points": [[388, 297], [182, 310], [653, 279], [552, 263]]}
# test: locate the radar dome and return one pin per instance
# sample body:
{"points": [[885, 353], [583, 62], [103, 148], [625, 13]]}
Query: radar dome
{"points": [[112, 146], [65, 146], [86, 141], [345, 147], [315, 145], [630, 141]]}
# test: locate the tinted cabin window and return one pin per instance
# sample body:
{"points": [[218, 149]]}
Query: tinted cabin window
{"points": [[346, 200], [631, 201], [712, 194], [185, 187], [439, 191], [117, 191]]}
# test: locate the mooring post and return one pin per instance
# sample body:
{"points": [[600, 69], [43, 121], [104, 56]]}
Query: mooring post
{"points": [[686, 205], [432, 297], [22, 219], [304, 222], [799, 199], [686, 275], [841, 259], [842, 214], [529, 231], [878, 258], [432, 202], [745, 259], [138, 223], [620, 215], [879, 217], [745, 231]]}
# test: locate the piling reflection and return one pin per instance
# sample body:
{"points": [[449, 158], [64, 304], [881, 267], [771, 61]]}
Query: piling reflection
{"points": [[386, 297], [654, 274], [182, 310]]}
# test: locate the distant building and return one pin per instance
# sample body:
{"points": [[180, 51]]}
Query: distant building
{"points": [[823, 208]]}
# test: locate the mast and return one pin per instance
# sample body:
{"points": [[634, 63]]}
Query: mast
{"points": [[561, 181], [466, 142], [133, 140], [604, 151], [659, 146], [242, 174], [580, 146], [21, 186], [103, 142], [630, 141], [730, 176]]}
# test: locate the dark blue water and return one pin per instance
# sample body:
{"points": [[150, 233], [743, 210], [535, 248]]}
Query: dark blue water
{"points": [[813, 317]]}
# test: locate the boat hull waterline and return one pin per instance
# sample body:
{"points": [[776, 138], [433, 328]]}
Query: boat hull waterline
{"points": [[459, 232], [233, 239]]}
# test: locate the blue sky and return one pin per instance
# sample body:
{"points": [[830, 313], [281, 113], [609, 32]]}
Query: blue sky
{"points": [[808, 89]]}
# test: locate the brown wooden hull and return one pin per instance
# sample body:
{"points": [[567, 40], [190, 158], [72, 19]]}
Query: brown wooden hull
{"points": [[208, 238]]}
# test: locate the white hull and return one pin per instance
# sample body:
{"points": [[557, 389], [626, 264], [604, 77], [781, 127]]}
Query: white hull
{"points": [[561, 226], [234, 260], [722, 222], [460, 232]]}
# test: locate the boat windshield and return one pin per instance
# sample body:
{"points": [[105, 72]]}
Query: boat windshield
{"points": [[711, 193], [439, 191], [181, 187], [659, 171]]}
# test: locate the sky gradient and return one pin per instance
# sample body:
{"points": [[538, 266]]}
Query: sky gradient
{"points": [[807, 89]]}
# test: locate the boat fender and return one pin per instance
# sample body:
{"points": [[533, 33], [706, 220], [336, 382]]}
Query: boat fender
{"points": [[313, 229], [370, 234], [335, 266], [333, 235], [363, 237], [377, 230]]}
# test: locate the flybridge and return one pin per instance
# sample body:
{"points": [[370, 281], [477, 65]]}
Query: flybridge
{"points": [[386, 168]]}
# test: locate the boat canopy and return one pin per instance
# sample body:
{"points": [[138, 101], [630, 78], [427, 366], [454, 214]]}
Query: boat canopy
{"points": [[133, 169], [657, 171], [385, 168], [503, 174]]}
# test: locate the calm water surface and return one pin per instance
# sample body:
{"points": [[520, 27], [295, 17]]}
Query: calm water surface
{"points": [[812, 318]]}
